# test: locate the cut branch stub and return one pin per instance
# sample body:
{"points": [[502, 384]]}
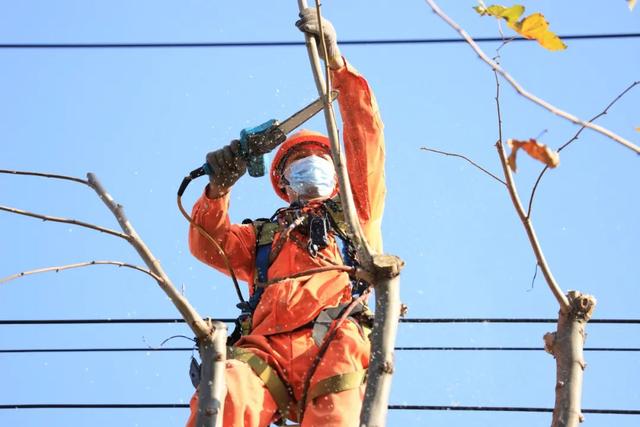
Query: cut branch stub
{"points": [[387, 266], [549, 342], [582, 305], [567, 347]]}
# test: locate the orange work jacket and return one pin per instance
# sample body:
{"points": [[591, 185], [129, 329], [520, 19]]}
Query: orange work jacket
{"points": [[292, 303]]}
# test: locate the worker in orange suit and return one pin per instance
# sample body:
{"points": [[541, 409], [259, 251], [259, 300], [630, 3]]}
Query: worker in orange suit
{"points": [[269, 375]]}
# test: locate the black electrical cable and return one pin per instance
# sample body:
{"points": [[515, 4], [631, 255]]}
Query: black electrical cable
{"points": [[96, 406], [149, 349], [391, 407], [228, 320], [511, 320], [94, 350], [294, 43], [507, 409]]}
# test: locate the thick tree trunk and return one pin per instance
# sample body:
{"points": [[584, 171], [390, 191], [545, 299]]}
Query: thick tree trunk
{"points": [[212, 389], [566, 345]]}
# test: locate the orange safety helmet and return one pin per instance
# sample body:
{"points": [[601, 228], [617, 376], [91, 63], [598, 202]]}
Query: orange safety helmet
{"points": [[301, 139]]}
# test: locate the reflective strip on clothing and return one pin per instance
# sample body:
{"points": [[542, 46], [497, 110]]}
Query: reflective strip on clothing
{"points": [[338, 383], [279, 391]]}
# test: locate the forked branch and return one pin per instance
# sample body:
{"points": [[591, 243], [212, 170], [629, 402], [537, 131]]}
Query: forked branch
{"points": [[574, 138], [526, 221], [211, 335], [199, 327], [531, 233], [544, 104]]}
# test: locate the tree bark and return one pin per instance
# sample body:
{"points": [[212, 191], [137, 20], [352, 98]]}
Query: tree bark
{"points": [[567, 345], [212, 389], [383, 337]]}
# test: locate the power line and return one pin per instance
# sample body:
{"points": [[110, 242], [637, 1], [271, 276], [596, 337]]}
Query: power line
{"points": [[229, 320], [152, 45], [391, 407], [604, 349], [161, 349], [97, 406], [510, 320], [508, 409], [94, 321], [95, 350]]}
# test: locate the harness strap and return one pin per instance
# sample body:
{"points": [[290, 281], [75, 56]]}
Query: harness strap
{"points": [[262, 269], [338, 383], [272, 381]]}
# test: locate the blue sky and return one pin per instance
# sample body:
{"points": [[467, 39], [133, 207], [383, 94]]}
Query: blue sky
{"points": [[140, 119]]}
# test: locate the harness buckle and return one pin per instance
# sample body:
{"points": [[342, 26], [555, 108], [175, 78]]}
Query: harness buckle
{"points": [[318, 234]]}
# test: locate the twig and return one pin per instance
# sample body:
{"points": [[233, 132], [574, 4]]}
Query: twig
{"points": [[497, 99], [79, 265], [467, 159], [533, 239], [575, 137], [533, 280], [45, 175], [522, 91], [65, 221]]}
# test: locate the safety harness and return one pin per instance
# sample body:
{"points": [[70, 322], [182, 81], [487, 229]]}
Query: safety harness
{"points": [[327, 219]]}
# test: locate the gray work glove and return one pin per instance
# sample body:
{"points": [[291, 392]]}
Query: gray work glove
{"points": [[227, 167], [308, 23]]}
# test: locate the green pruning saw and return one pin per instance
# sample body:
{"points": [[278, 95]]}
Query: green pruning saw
{"points": [[256, 141]]}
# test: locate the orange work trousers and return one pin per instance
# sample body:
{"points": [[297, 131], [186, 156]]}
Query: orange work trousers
{"points": [[248, 402]]}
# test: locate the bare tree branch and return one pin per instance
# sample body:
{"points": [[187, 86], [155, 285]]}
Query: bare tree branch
{"points": [[467, 159], [522, 91], [517, 204], [65, 221], [533, 239], [211, 335], [45, 175], [78, 265], [346, 197], [575, 137], [386, 268], [191, 316]]}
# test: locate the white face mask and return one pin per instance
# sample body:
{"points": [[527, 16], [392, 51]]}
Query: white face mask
{"points": [[311, 177]]}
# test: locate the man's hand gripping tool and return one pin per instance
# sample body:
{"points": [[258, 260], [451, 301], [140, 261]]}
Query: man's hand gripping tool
{"points": [[256, 141]]}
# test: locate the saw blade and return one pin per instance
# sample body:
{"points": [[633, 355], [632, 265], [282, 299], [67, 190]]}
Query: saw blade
{"points": [[305, 114]]}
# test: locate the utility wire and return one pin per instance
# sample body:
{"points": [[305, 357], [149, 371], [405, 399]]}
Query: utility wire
{"points": [[392, 407], [229, 320], [150, 349], [507, 409], [294, 43]]}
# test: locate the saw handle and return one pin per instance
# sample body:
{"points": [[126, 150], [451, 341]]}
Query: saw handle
{"points": [[253, 145], [255, 142]]}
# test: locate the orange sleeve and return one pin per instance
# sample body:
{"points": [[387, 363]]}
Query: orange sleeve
{"points": [[238, 241], [364, 146]]}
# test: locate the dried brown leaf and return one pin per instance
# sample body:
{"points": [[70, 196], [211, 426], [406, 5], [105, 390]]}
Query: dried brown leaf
{"points": [[535, 149]]}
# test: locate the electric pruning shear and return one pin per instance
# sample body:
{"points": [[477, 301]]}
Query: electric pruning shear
{"points": [[256, 141]]}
